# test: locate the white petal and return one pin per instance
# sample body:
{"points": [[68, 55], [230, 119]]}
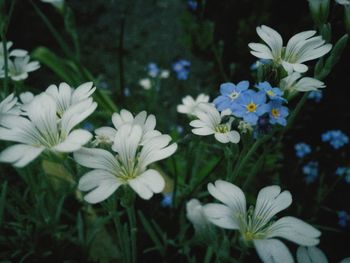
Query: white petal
{"points": [[195, 214], [301, 68], [93, 179], [97, 159], [295, 230], [273, 251], [230, 195], [311, 255], [152, 180], [106, 132], [75, 140], [271, 201], [222, 137], [221, 215], [203, 131], [83, 92], [102, 192], [20, 154]]}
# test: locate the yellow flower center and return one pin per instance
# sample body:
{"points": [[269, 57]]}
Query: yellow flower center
{"points": [[271, 93], [251, 107], [275, 113], [222, 128]]}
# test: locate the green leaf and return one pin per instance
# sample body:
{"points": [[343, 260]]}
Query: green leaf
{"points": [[2, 201], [65, 69]]}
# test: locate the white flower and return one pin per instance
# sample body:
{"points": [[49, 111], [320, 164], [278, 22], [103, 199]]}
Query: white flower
{"points": [[66, 97], [12, 53], [244, 127], [345, 260], [210, 122], [129, 166], [256, 225], [164, 74], [56, 3], [145, 83], [343, 2], [311, 255], [106, 135], [18, 68], [43, 130], [300, 48], [195, 214], [8, 108], [190, 105], [294, 82]]}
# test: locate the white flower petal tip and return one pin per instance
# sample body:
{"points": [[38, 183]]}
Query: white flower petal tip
{"points": [[301, 48], [272, 251], [20, 155], [311, 255], [196, 215], [189, 104]]}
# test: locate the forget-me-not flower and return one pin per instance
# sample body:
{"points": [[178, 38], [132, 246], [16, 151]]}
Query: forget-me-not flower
{"points": [[336, 138], [152, 69], [343, 171], [310, 170], [302, 149], [192, 5], [250, 106], [343, 218], [277, 112], [273, 93], [182, 69], [315, 95], [229, 94]]}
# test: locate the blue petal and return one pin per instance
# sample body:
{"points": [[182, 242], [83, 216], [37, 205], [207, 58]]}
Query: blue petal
{"points": [[243, 85], [227, 88], [251, 118]]}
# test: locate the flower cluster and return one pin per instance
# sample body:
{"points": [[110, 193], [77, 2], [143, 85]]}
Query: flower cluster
{"points": [[250, 104], [182, 69], [336, 138], [344, 172], [154, 73], [18, 63], [135, 145], [45, 122], [310, 170]]}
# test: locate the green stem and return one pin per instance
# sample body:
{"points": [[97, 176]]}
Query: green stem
{"points": [[133, 232], [4, 44]]}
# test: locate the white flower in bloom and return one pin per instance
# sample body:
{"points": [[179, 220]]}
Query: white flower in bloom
{"points": [[66, 97], [56, 3], [343, 2], [210, 122], [195, 214], [8, 108], [189, 105], [12, 53], [106, 135], [311, 255], [300, 48], [145, 83], [256, 225], [294, 82], [43, 130], [129, 166], [18, 68]]}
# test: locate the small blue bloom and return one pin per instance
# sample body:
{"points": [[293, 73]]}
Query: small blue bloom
{"points": [[315, 95], [343, 218], [152, 69], [310, 170], [182, 69], [192, 5], [343, 171], [259, 62], [167, 200], [302, 149], [273, 93], [229, 94], [127, 92], [336, 138], [250, 106], [277, 112]]}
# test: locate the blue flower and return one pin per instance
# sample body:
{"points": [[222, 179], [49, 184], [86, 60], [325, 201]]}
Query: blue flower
{"points": [[343, 218], [273, 93], [167, 200], [315, 95], [229, 94], [88, 126], [336, 138], [302, 149], [250, 106], [182, 69], [310, 170], [152, 69], [277, 112], [259, 62], [192, 5], [343, 171]]}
